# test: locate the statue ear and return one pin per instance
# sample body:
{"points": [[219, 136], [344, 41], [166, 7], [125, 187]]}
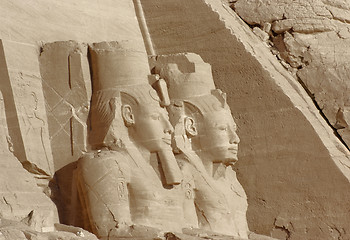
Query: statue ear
{"points": [[190, 126], [128, 116]]}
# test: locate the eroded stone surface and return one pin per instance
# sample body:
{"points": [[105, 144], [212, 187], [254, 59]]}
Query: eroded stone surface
{"points": [[312, 37], [132, 176], [277, 123], [84, 21], [66, 86], [67, 89], [294, 172], [20, 197], [10, 230], [22, 89]]}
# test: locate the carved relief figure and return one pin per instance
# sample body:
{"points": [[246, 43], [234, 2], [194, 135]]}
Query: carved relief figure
{"points": [[205, 137]]}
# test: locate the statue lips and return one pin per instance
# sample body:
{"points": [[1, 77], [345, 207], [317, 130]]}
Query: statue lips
{"points": [[233, 149], [232, 153]]}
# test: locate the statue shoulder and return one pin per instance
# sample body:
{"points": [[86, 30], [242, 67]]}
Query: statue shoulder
{"points": [[100, 162]]}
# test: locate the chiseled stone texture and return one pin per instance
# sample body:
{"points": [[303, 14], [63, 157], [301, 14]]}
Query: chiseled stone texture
{"points": [[14, 230], [20, 197], [290, 163], [314, 38], [66, 85], [24, 105], [38, 22]]}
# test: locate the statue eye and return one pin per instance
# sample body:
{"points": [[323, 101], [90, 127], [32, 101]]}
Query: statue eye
{"points": [[222, 127], [155, 116]]}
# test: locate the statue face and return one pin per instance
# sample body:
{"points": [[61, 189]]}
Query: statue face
{"points": [[218, 138], [152, 128]]}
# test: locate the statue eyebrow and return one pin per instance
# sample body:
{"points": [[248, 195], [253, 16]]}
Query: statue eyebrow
{"points": [[222, 125], [153, 114]]}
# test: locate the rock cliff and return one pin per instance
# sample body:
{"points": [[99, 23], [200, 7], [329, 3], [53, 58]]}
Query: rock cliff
{"points": [[311, 38], [283, 65]]}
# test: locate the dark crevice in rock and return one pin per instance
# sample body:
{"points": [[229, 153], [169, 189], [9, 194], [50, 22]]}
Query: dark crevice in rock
{"points": [[171, 236], [312, 96], [274, 34], [232, 6], [283, 229], [32, 168], [252, 25], [41, 50]]}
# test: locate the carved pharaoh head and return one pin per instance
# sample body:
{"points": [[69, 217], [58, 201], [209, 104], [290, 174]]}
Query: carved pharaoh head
{"points": [[211, 128], [147, 122], [198, 109], [123, 103]]}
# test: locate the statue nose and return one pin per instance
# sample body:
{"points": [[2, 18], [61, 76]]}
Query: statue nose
{"points": [[168, 128], [234, 138]]}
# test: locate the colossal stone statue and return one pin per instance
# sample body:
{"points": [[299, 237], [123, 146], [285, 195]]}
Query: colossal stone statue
{"points": [[205, 137], [130, 177], [120, 74]]}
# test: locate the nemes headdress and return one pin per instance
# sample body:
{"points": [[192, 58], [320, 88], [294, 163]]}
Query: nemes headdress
{"points": [[191, 90], [118, 69], [121, 72]]}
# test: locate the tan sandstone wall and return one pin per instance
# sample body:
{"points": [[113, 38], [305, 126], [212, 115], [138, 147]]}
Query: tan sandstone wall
{"points": [[289, 162], [35, 76], [312, 38], [85, 21], [288, 157]]}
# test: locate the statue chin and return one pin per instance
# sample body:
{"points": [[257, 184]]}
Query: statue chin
{"points": [[227, 160], [230, 160], [155, 145], [222, 155], [231, 157]]}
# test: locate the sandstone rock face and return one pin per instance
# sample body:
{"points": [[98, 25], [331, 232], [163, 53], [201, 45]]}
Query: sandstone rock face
{"points": [[84, 21], [21, 198], [73, 102], [26, 158], [66, 86], [10, 230], [67, 90], [153, 196], [312, 37], [132, 178], [24, 100], [286, 151]]}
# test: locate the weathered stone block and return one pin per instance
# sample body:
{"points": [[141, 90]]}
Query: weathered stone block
{"points": [[20, 197], [315, 34], [24, 101], [287, 163], [67, 91]]}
